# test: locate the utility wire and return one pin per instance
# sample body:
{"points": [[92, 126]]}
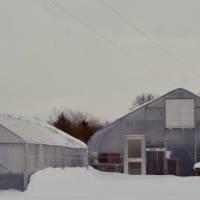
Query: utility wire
{"points": [[147, 36], [113, 44], [99, 34]]}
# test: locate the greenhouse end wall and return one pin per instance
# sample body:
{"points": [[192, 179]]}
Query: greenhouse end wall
{"points": [[19, 161], [12, 164], [149, 120]]}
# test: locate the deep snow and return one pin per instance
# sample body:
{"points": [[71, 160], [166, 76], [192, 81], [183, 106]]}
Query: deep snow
{"points": [[78, 183]]}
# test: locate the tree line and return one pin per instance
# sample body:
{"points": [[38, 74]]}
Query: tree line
{"points": [[78, 124], [82, 125]]}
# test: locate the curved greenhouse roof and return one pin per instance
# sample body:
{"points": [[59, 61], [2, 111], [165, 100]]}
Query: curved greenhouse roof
{"points": [[111, 137], [34, 131]]}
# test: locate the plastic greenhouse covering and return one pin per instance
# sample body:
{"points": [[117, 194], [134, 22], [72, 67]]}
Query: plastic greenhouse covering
{"points": [[29, 145], [150, 120]]}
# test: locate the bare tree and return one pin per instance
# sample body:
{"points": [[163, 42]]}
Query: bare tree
{"points": [[141, 99]]}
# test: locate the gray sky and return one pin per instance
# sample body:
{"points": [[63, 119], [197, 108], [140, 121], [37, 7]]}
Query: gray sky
{"points": [[48, 59]]}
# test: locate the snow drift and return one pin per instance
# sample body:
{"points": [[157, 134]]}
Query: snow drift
{"points": [[83, 184]]}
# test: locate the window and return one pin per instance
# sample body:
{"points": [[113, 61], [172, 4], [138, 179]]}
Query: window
{"points": [[180, 113], [134, 148]]}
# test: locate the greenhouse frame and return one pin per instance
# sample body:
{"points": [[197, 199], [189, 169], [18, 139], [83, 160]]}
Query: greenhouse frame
{"points": [[160, 137], [29, 145]]}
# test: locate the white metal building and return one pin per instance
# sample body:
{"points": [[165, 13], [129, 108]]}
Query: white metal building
{"points": [[27, 146]]}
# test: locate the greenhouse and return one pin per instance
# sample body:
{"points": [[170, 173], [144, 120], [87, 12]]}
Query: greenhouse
{"points": [[27, 146], [159, 137]]}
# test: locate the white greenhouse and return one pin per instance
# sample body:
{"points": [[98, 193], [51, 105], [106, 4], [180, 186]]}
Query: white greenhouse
{"points": [[27, 146]]}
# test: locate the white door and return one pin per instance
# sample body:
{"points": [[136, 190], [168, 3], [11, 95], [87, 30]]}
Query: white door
{"points": [[135, 155]]}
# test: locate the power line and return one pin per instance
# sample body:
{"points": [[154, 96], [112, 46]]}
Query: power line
{"points": [[131, 24], [113, 44], [100, 34]]}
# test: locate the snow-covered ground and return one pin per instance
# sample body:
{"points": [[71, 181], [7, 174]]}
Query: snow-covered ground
{"points": [[77, 183]]}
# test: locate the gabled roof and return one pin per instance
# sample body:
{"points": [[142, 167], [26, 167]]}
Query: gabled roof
{"points": [[34, 131]]}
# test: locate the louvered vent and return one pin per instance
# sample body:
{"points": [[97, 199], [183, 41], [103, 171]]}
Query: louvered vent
{"points": [[180, 113]]}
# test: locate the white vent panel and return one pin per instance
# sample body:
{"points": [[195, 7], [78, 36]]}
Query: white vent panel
{"points": [[180, 113]]}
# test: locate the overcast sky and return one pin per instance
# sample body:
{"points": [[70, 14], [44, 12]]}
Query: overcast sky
{"points": [[51, 60]]}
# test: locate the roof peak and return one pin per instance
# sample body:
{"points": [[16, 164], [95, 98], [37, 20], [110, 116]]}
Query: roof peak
{"points": [[149, 102]]}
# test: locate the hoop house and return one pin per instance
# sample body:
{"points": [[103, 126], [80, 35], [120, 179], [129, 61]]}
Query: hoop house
{"points": [[27, 146], [159, 137]]}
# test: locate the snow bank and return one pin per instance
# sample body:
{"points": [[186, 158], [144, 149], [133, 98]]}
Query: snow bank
{"points": [[197, 166], [83, 184]]}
